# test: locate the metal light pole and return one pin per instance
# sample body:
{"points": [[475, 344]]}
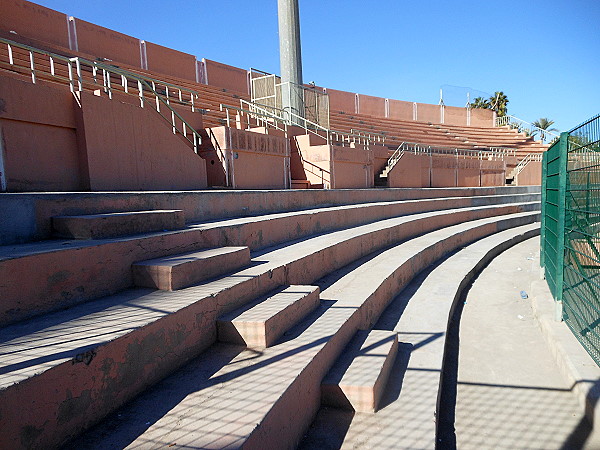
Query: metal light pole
{"points": [[290, 57]]}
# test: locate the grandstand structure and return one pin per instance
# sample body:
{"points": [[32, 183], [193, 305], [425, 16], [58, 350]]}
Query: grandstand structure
{"points": [[184, 264]]}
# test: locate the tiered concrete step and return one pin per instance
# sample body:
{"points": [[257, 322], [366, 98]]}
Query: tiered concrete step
{"points": [[420, 317], [260, 325], [107, 351], [104, 267], [108, 225], [232, 397], [358, 378], [179, 271]]}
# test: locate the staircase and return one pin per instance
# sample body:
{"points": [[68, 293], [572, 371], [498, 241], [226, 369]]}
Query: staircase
{"points": [[238, 321]]}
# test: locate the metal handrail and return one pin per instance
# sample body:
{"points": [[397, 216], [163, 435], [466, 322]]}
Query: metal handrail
{"points": [[325, 182], [131, 83], [523, 163], [519, 124], [264, 119]]}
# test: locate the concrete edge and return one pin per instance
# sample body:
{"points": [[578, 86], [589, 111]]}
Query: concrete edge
{"points": [[464, 286], [575, 364]]}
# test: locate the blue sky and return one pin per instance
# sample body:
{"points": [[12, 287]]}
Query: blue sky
{"points": [[544, 55]]}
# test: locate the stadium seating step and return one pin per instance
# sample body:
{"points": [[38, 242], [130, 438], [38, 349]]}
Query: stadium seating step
{"points": [[358, 378], [174, 272], [259, 325], [108, 225]]}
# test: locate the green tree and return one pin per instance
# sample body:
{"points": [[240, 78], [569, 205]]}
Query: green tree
{"points": [[480, 102], [543, 124], [499, 103]]}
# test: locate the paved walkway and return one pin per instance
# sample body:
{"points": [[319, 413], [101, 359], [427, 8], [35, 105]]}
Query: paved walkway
{"points": [[510, 392]]}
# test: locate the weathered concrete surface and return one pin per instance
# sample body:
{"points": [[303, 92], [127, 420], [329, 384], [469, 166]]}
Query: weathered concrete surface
{"points": [[101, 226], [267, 399], [511, 393], [37, 209], [261, 324], [68, 272], [407, 418], [358, 378], [174, 272]]}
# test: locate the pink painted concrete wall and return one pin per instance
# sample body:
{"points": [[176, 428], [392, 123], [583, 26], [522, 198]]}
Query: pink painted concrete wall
{"points": [[531, 175], [428, 113], [34, 22], [455, 116], [401, 110], [102, 42], [342, 101], [445, 171], [255, 160], [135, 149], [482, 117], [171, 62], [228, 77], [372, 106], [38, 128]]}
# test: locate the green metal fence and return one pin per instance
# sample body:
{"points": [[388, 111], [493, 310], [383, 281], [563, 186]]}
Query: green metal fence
{"points": [[570, 252]]}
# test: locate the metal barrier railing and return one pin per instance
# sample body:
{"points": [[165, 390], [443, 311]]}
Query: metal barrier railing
{"points": [[523, 126], [570, 232], [531, 157], [81, 74]]}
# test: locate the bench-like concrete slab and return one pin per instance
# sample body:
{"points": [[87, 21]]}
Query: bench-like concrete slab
{"points": [[178, 271], [262, 324], [101, 226], [358, 378]]}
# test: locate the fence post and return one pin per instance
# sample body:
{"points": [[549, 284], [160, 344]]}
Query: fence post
{"points": [[562, 200], [543, 215]]}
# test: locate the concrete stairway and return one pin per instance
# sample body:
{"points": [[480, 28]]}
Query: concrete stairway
{"points": [[88, 354]]}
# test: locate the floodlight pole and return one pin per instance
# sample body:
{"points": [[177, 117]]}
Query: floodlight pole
{"points": [[290, 57]]}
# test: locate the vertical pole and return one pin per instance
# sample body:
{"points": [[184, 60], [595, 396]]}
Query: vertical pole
{"points": [[562, 204], [290, 56]]}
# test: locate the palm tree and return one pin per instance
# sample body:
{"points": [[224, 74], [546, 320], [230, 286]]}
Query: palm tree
{"points": [[480, 102], [498, 102], [543, 124]]}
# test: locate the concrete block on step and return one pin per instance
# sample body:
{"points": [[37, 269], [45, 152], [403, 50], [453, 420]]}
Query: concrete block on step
{"points": [[262, 324], [174, 272], [107, 225], [357, 380]]}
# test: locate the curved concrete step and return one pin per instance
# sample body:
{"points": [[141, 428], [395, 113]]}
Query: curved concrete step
{"points": [[71, 272], [268, 399], [419, 315], [108, 225]]}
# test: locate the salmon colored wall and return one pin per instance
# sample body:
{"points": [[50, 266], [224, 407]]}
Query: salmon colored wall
{"points": [[373, 106], [401, 110], [455, 116], [482, 117], [342, 101], [531, 175], [171, 62], [410, 171], [228, 77], [38, 131], [34, 22], [105, 43], [428, 113], [135, 149], [380, 157]]}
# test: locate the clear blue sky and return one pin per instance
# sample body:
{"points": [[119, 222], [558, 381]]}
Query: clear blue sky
{"points": [[545, 55]]}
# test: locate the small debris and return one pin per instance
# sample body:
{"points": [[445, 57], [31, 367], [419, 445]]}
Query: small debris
{"points": [[518, 268], [147, 423], [524, 295], [530, 258], [520, 317]]}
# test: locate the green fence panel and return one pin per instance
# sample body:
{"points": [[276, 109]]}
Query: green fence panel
{"points": [[581, 266]]}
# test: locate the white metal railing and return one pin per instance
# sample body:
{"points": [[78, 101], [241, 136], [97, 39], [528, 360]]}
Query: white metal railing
{"points": [[245, 118], [373, 136], [489, 154], [523, 163], [81, 74], [523, 126]]}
